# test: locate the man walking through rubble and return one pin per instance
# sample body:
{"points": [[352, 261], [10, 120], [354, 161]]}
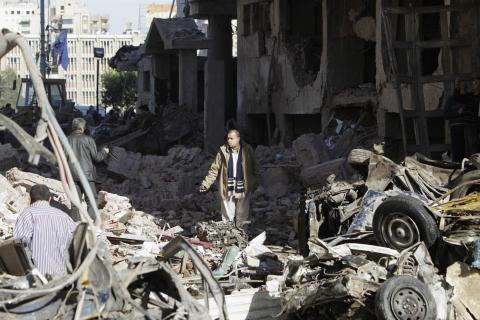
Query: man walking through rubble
{"points": [[235, 168], [85, 150], [45, 231]]}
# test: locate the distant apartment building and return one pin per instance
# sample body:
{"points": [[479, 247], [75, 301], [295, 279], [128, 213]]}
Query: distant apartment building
{"points": [[99, 24], [20, 16], [81, 72], [155, 10], [71, 16], [84, 33]]}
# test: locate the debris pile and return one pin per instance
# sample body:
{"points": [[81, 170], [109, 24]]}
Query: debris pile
{"points": [[342, 278], [166, 187], [9, 157], [323, 154], [133, 240], [133, 236], [339, 279]]}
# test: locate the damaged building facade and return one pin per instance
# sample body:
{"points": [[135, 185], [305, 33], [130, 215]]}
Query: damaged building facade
{"points": [[379, 63], [304, 63]]}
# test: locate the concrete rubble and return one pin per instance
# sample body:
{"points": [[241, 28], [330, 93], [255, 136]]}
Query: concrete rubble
{"points": [[166, 187], [378, 239], [340, 278], [151, 200], [135, 239]]}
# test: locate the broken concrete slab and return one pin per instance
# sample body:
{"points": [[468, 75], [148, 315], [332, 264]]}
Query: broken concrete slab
{"points": [[26, 180], [466, 283], [128, 166], [9, 157], [310, 149], [317, 175], [114, 207], [275, 181]]}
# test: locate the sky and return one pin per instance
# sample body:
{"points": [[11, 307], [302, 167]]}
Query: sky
{"points": [[119, 11]]}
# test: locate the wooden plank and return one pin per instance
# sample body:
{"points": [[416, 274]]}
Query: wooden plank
{"points": [[127, 237]]}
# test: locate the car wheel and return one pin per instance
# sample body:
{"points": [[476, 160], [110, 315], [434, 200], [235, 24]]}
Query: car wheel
{"points": [[400, 222], [463, 191], [404, 298]]}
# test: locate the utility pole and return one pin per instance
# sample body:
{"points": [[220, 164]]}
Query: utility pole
{"points": [[43, 57], [98, 53], [98, 73]]}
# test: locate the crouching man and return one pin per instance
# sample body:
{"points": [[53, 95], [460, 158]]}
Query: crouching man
{"points": [[45, 231], [235, 168]]}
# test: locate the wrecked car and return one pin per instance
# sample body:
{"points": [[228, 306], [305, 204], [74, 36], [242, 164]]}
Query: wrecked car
{"points": [[358, 281], [399, 203]]}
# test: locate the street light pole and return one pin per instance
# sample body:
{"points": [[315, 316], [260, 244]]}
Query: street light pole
{"points": [[98, 53], [43, 58], [98, 73]]}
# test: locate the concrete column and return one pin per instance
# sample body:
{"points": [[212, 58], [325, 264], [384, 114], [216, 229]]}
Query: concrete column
{"points": [[180, 7], [187, 66], [219, 80]]}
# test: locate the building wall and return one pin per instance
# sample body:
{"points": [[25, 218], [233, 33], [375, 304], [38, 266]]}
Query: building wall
{"points": [[81, 72], [294, 90], [310, 52], [20, 16], [157, 11], [464, 62], [255, 63], [145, 83], [72, 16]]}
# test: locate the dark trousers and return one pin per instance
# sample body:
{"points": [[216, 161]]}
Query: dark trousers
{"points": [[465, 141], [457, 137], [75, 215], [471, 139]]}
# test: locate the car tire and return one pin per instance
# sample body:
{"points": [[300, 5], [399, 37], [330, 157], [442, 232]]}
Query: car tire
{"points": [[401, 221], [404, 297], [463, 191]]}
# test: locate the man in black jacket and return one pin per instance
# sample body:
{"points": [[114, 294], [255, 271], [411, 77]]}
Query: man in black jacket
{"points": [[453, 112], [472, 120], [462, 111], [85, 150]]}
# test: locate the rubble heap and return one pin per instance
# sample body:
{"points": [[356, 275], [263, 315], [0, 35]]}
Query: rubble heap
{"points": [[166, 187], [338, 280], [131, 235]]}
